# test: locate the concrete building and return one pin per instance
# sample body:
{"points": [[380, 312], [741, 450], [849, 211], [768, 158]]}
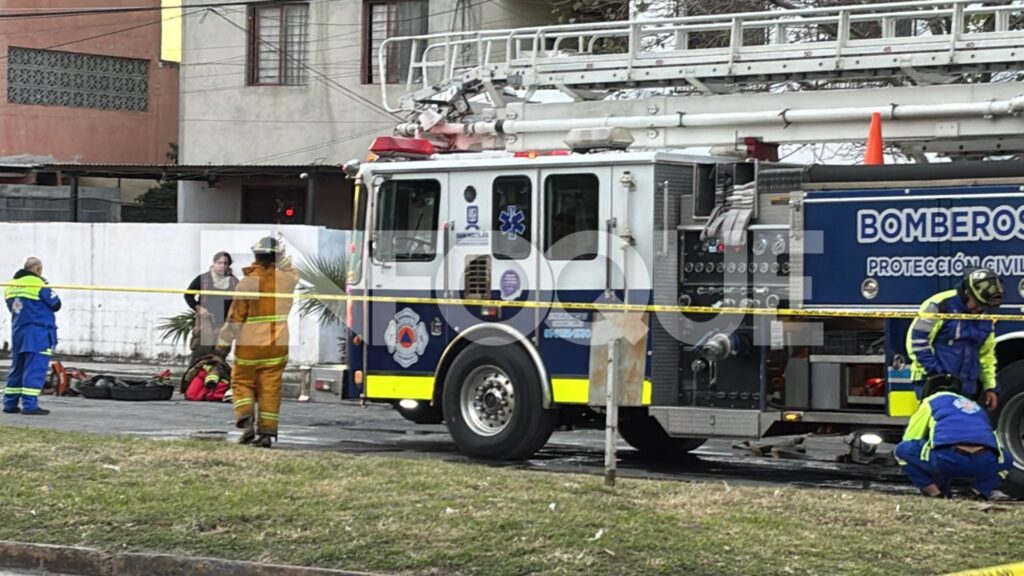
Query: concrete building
{"points": [[294, 83], [86, 87]]}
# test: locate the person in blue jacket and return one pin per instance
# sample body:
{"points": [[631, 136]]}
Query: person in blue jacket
{"points": [[965, 349], [33, 335], [950, 437]]}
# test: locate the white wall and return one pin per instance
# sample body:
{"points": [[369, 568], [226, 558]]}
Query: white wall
{"points": [[198, 202], [123, 325]]}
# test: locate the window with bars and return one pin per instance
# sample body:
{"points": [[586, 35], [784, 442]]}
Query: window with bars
{"points": [[385, 19], [54, 78], [278, 39]]}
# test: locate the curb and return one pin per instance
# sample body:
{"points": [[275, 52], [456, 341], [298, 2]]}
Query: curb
{"points": [[89, 562]]}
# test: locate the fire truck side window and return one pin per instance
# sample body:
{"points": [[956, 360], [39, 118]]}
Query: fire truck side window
{"points": [[512, 218], [407, 221], [570, 209]]}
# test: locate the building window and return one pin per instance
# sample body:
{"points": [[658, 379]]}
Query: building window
{"points": [[278, 38], [511, 229], [385, 19], [53, 78], [571, 209], [407, 221]]}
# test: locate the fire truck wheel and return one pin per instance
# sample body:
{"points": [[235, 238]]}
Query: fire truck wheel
{"points": [[1009, 422], [493, 403], [645, 434]]}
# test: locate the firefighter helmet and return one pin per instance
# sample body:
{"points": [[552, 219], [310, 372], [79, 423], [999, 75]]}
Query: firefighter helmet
{"points": [[266, 245], [984, 286]]}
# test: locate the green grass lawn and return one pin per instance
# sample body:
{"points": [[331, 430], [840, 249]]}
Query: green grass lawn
{"points": [[424, 517]]}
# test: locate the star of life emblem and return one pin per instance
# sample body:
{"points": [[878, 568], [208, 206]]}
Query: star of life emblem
{"points": [[512, 222], [406, 338], [17, 306]]}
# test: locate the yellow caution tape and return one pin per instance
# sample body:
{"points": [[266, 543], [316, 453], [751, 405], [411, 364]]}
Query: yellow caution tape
{"points": [[1004, 570], [589, 306]]}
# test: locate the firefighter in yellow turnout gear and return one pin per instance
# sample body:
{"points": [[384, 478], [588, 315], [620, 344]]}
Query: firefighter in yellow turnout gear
{"points": [[259, 328]]}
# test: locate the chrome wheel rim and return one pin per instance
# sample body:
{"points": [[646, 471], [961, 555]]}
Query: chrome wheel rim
{"points": [[487, 401]]}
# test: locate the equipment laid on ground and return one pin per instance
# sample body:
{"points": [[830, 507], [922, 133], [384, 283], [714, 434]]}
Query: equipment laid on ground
{"points": [[104, 387], [774, 299]]}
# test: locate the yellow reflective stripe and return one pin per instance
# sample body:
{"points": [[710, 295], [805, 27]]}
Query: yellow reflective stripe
{"points": [[266, 319], [30, 391], [47, 352], [393, 387], [13, 391], [27, 293], [902, 403], [212, 378], [570, 390], [262, 362], [577, 391], [239, 402], [268, 415]]}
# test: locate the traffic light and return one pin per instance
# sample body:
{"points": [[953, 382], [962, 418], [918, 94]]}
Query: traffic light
{"points": [[288, 213]]}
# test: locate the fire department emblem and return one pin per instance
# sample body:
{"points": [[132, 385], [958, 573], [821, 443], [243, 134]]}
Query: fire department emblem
{"points": [[406, 338]]}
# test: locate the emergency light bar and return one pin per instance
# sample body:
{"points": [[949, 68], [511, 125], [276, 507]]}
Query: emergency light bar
{"points": [[401, 147]]}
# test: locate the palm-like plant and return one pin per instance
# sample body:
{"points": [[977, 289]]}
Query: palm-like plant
{"points": [[327, 277], [177, 328]]}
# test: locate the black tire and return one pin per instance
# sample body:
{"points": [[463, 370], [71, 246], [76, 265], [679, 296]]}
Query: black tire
{"points": [[644, 433], [1008, 419], [528, 425]]}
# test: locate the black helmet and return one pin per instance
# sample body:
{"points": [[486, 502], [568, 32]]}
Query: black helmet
{"points": [[942, 383], [984, 286], [266, 245]]}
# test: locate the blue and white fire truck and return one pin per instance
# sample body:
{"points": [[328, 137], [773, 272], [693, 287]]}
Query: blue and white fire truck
{"points": [[502, 248]]}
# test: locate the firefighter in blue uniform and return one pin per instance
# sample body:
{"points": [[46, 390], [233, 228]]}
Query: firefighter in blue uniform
{"points": [[965, 349], [950, 437], [33, 335]]}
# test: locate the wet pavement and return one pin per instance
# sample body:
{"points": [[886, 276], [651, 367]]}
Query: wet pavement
{"points": [[378, 429]]}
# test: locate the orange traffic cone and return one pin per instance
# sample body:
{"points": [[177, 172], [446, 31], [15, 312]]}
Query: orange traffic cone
{"points": [[873, 153]]}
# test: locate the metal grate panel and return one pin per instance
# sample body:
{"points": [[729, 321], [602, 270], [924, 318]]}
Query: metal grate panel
{"points": [[53, 78], [665, 281], [478, 278]]}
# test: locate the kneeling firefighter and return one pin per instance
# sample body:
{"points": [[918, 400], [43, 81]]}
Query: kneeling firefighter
{"points": [[259, 327], [964, 349], [950, 437]]}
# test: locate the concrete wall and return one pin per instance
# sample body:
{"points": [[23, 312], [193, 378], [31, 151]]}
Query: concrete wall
{"points": [[332, 119], [198, 202], [30, 203], [123, 325], [82, 134]]}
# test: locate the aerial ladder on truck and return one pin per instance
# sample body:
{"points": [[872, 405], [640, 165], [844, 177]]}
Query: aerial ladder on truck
{"points": [[466, 238]]}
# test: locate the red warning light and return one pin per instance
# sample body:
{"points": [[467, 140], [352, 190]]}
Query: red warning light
{"points": [[289, 212]]}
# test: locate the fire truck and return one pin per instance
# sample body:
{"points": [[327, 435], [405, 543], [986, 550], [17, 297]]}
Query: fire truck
{"points": [[506, 245]]}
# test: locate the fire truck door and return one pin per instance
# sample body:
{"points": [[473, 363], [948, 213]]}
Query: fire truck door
{"points": [[407, 240]]}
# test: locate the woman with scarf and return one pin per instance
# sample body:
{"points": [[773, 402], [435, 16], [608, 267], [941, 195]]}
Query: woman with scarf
{"points": [[211, 310]]}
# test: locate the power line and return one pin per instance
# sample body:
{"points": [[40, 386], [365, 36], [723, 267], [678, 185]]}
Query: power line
{"points": [[122, 10]]}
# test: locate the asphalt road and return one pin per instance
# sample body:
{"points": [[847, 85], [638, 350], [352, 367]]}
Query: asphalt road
{"points": [[377, 429]]}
